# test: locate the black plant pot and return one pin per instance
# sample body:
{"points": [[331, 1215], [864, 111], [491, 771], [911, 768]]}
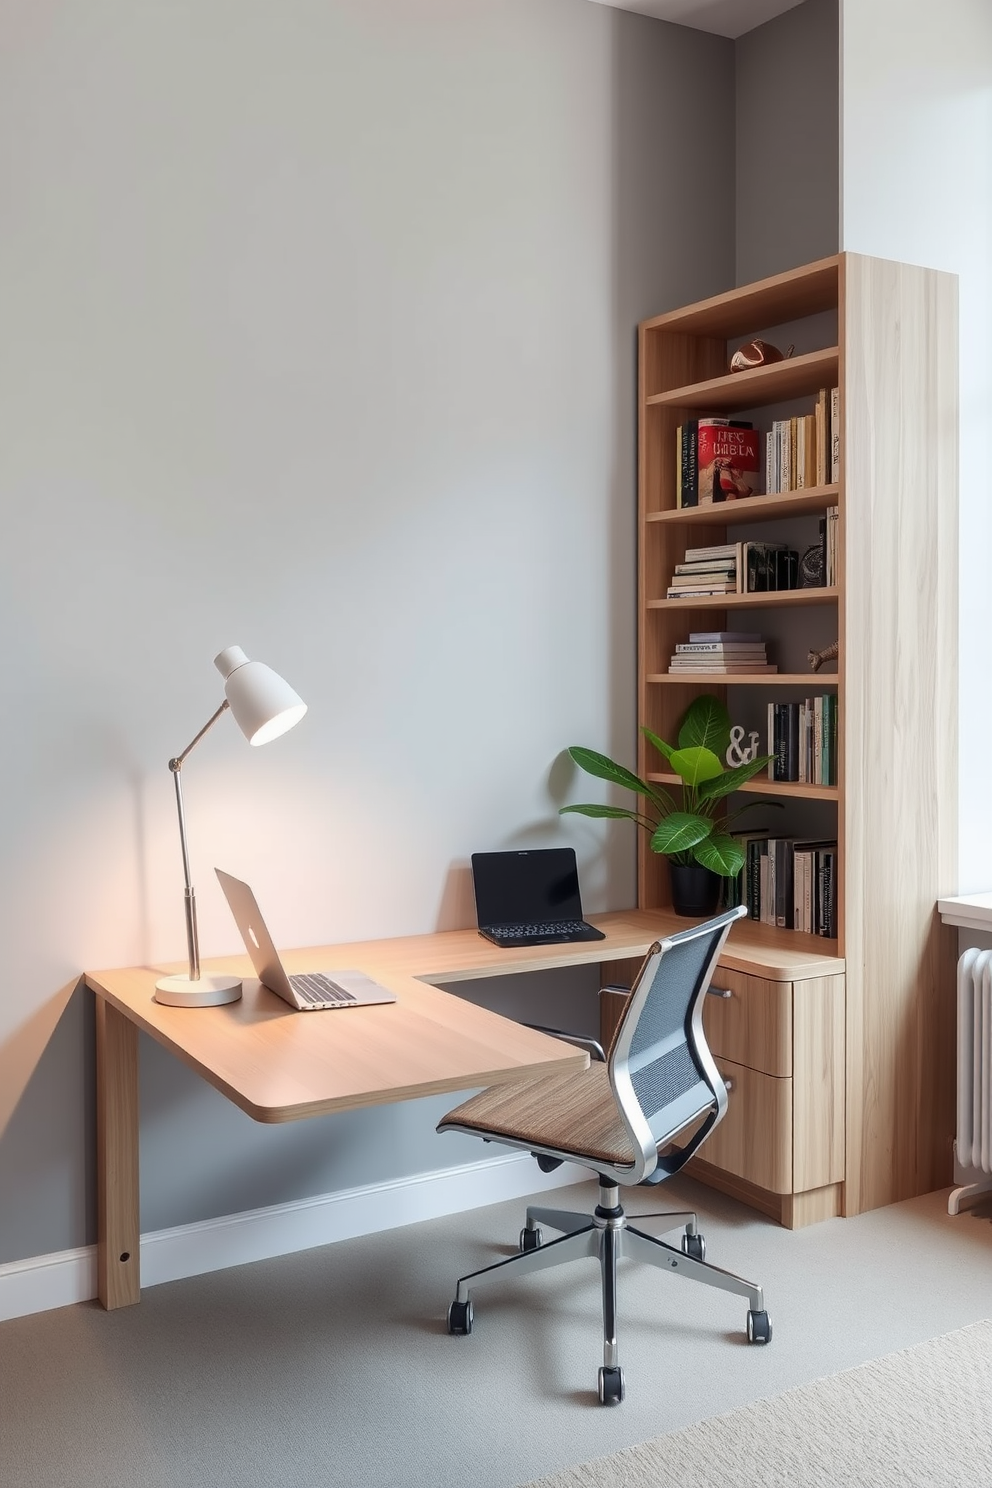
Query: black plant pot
{"points": [[695, 889]]}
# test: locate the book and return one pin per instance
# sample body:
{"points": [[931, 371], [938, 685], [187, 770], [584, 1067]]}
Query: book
{"points": [[703, 591], [727, 460], [707, 565], [721, 648], [822, 417], [719, 550], [724, 635], [688, 495], [704, 576], [835, 434], [679, 664], [678, 465]]}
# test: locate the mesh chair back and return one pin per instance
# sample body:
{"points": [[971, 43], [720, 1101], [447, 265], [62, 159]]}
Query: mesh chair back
{"points": [[661, 1070]]}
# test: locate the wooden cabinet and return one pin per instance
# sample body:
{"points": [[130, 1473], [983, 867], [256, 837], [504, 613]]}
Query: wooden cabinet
{"points": [[843, 1076]]}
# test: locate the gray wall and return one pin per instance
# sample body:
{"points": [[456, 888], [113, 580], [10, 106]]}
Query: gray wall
{"points": [[318, 339], [788, 141]]}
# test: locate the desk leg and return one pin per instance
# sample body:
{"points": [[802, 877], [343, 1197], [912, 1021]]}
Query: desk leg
{"points": [[118, 1237]]}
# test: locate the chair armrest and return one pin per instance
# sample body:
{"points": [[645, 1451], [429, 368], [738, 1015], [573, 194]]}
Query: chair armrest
{"points": [[591, 1045], [673, 1161]]}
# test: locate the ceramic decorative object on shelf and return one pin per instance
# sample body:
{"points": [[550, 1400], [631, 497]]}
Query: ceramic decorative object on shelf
{"points": [[817, 658], [757, 354]]}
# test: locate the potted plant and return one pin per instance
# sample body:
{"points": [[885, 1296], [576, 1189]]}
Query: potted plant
{"points": [[692, 833]]}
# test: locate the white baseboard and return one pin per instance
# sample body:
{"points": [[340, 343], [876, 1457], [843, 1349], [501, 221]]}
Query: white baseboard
{"points": [[69, 1276]]}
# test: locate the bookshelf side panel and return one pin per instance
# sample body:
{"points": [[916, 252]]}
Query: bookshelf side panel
{"points": [[899, 722]]}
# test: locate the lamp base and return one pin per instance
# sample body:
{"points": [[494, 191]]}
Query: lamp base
{"points": [[209, 991]]}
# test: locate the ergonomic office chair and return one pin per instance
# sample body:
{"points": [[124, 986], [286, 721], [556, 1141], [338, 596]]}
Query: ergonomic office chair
{"points": [[619, 1118]]}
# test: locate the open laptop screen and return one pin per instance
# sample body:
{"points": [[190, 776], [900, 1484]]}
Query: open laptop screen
{"points": [[513, 888]]}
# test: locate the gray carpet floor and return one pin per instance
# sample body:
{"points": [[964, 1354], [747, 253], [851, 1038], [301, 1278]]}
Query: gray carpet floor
{"points": [[918, 1418], [333, 1367]]}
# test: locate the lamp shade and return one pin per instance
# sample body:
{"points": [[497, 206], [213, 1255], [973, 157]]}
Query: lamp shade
{"points": [[264, 706]]}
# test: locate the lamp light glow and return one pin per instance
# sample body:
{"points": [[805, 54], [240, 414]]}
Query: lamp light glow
{"points": [[264, 706]]}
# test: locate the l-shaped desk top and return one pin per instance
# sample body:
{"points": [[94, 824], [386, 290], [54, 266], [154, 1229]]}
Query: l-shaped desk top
{"points": [[280, 1065]]}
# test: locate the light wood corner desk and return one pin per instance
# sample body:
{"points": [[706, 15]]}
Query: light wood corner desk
{"points": [[279, 1065]]}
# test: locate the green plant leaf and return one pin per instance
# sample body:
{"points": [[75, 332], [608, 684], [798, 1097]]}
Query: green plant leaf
{"points": [[610, 811], [665, 750], [732, 780], [721, 854], [603, 768], [680, 831], [706, 724], [695, 764]]}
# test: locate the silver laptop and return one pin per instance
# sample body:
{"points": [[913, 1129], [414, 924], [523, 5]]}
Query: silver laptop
{"points": [[306, 991]]}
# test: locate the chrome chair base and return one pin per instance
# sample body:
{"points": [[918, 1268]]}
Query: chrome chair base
{"points": [[607, 1234]]}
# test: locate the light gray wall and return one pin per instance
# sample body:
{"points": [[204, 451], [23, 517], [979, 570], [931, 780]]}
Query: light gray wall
{"points": [[917, 176], [318, 338], [788, 141]]}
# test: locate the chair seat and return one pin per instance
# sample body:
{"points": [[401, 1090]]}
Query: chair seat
{"points": [[574, 1114]]}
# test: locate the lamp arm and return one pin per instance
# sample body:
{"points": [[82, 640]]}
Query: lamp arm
{"points": [[176, 765]]}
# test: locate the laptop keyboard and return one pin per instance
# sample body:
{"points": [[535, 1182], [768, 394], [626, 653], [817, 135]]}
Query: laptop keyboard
{"points": [[564, 928], [315, 988]]}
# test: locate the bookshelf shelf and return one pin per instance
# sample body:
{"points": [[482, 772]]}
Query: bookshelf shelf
{"points": [[792, 378], [753, 509], [871, 1112], [811, 681], [760, 787], [765, 600]]}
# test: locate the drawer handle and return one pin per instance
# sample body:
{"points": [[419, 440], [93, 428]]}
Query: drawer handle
{"points": [[724, 992]]}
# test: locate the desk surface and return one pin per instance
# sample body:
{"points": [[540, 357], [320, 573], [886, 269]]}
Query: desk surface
{"points": [[280, 1065]]}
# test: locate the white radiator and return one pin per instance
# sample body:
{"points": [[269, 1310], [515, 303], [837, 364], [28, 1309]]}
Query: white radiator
{"points": [[973, 1145]]}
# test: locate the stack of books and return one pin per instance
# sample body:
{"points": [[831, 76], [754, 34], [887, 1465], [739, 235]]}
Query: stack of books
{"points": [[802, 740], [706, 571], [804, 451], [726, 651]]}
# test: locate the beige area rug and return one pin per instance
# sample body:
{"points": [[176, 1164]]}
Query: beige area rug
{"points": [[921, 1416]]}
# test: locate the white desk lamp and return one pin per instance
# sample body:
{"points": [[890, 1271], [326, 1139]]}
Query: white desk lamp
{"points": [[264, 706]]}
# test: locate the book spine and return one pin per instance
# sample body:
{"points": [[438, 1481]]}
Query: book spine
{"points": [[754, 853], [835, 434], [781, 743], [690, 487], [678, 466], [770, 480], [792, 741], [770, 749]]}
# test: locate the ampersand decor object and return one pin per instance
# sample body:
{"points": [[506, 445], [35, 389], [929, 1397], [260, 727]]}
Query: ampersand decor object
{"points": [[735, 754]]}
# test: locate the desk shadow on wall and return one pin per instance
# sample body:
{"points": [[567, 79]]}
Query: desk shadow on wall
{"points": [[52, 1051]]}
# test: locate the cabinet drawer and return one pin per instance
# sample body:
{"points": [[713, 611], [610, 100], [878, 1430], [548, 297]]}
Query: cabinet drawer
{"points": [[754, 1139], [753, 1026]]}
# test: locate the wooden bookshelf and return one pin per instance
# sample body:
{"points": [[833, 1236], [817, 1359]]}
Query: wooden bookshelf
{"points": [[868, 1116]]}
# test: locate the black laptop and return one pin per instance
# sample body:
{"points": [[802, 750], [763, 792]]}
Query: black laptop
{"points": [[530, 897]]}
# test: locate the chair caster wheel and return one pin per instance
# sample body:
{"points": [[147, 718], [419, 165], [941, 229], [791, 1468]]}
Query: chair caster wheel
{"points": [[610, 1386], [759, 1328], [694, 1246], [531, 1239], [460, 1317]]}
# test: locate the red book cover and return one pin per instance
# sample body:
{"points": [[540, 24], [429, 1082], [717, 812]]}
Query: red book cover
{"points": [[727, 461]]}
